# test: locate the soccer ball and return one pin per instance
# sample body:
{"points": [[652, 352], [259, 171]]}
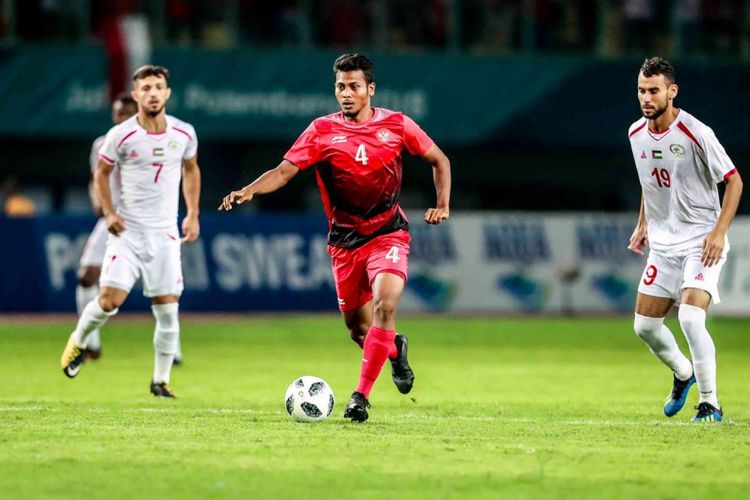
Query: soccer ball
{"points": [[309, 399]]}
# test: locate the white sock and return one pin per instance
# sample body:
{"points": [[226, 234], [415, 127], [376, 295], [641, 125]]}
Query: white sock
{"points": [[92, 318], [693, 323], [661, 342], [84, 295], [166, 338]]}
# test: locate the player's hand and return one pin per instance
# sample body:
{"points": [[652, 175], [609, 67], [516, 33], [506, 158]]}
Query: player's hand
{"points": [[115, 224], [713, 247], [638, 240], [191, 228], [436, 215], [238, 197]]}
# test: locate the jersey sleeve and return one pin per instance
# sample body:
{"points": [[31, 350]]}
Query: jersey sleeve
{"points": [[108, 151], [306, 149], [416, 140], [719, 164], [192, 146]]}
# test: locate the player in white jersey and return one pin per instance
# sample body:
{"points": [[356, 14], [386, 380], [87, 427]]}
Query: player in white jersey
{"points": [[679, 163], [153, 152], [123, 107]]}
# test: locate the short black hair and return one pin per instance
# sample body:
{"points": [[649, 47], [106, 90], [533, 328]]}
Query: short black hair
{"points": [[354, 62], [150, 70], [655, 66], [125, 99]]}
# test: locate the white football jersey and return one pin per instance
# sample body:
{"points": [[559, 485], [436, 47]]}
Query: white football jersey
{"points": [[150, 170], [114, 177], [679, 170]]}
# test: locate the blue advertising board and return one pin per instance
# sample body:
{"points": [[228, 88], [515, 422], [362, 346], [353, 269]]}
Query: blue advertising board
{"points": [[251, 263]]}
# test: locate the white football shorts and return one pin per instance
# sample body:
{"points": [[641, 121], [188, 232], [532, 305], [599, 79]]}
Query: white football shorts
{"points": [[153, 256], [96, 245], [667, 275]]}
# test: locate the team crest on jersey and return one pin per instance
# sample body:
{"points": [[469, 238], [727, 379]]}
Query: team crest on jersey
{"points": [[383, 135], [677, 150], [643, 155], [158, 152], [174, 145]]}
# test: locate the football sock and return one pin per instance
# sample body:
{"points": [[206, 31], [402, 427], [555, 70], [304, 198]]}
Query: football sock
{"points": [[662, 343], [92, 318], [84, 295], [378, 345], [166, 338], [693, 323]]}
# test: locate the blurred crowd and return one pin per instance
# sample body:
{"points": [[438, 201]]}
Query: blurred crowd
{"points": [[602, 27]]}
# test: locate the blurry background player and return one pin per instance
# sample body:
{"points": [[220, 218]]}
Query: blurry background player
{"points": [[153, 151], [123, 107], [679, 163], [357, 158]]}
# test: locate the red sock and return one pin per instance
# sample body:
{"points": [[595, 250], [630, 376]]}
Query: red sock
{"points": [[378, 345], [394, 351]]}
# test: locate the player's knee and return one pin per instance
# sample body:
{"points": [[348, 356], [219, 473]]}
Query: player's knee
{"points": [[110, 301], [385, 308], [646, 327]]}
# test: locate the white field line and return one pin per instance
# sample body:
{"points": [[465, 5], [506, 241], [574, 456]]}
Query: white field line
{"points": [[514, 420]]}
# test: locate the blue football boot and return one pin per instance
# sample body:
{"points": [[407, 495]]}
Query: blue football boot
{"points": [[676, 400], [708, 413]]}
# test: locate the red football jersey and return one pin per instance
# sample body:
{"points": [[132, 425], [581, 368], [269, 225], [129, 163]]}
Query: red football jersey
{"points": [[359, 171]]}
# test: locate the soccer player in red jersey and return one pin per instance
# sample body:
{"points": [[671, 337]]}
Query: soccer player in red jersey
{"points": [[357, 158]]}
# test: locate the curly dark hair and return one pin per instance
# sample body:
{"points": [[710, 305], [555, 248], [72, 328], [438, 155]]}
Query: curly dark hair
{"points": [[353, 62], [655, 66]]}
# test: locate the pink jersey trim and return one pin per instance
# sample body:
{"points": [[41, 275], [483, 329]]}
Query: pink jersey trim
{"points": [[106, 159], [126, 138], [687, 132], [730, 173], [636, 130], [180, 130]]}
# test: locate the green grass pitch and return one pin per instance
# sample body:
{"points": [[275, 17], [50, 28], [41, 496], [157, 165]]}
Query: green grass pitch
{"points": [[504, 408]]}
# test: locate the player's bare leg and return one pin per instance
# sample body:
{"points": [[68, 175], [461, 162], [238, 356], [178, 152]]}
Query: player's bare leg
{"points": [[649, 326], [379, 341], [166, 337], [86, 291], [358, 322], [94, 315], [692, 316]]}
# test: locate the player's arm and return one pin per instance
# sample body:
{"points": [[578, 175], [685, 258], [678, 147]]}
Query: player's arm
{"points": [[713, 245], [115, 224], [441, 176], [268, 182], [191, 191], [639, 238], [94, 200]]}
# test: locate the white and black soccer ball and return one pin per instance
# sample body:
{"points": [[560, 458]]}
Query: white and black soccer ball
{"points": [[309, 399]]}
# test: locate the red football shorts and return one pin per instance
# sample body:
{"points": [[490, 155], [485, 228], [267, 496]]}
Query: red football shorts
{"points": [[354, 269]]}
